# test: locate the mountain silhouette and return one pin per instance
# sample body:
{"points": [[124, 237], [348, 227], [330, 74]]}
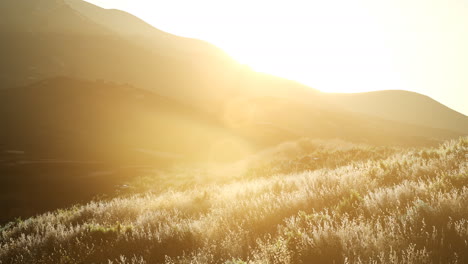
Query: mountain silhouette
{"points": [[45, 16], [403, 106], [92, 46], [134, 28], [68, 119], [75, 139], [189, 70]]}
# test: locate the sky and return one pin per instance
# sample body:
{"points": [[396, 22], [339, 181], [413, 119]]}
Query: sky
{"points": [[333, 45]]}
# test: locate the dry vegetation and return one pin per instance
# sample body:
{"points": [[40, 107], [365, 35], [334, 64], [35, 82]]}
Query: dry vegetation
{"points": [[301, 203]]}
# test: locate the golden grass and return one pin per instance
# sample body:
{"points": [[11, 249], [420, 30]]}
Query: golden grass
{"points": [[361, 206]]}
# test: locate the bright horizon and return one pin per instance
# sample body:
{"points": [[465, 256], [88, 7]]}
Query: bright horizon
{"points": [[332, 46]]}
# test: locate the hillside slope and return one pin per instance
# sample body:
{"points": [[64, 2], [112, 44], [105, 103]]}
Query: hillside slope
{"points": [[53, 42], [44, 16], [76, 39], [294, 119], [403, 106], [74, 119], [64, 141], [68, 119], [69, 133], [406, 208], [100, 121], [139, 31]]}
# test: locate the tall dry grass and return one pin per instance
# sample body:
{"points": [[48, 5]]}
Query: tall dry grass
{"points": [[379, 206]]}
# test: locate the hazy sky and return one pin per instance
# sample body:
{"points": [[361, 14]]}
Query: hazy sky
{"points": [[333, 45]]}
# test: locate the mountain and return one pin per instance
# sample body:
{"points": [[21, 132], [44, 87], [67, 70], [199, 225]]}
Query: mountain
{"points": [[76, 139], [296, 119], [43, 39], [64, 141], [402, 106], [61, 41], [68, 119], [45, 16], [139, 31]]}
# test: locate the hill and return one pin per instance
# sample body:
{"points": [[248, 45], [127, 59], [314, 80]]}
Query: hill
{"points": [[64, 118], [62, 41], [299, 119], [137, 30], [64, 141], [405, 207], [403, 106], [61, 134], [101, 121], [79, 40]]}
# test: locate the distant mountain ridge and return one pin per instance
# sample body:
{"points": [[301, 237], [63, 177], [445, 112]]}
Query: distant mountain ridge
{"points": [[70, 119], [187, 69], [153, 39], [45, 16], [84, 42], [403, 106]]}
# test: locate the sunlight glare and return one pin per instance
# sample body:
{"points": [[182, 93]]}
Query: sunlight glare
{"points": [[333, 46]]}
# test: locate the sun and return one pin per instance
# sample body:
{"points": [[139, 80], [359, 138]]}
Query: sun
{"points": [[330, 48]]}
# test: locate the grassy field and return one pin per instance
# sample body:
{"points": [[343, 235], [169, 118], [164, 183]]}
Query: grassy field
{"points": [[302, 202]]}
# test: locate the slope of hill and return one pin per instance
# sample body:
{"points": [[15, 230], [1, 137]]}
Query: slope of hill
{"points": [[64, 141], [68, 133], [89, 42], [403, 106], [48, 38], [63, 118], [409, 207], [44, 16], [139, 31], [100, 121], [295, 119], [188, 70]]}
